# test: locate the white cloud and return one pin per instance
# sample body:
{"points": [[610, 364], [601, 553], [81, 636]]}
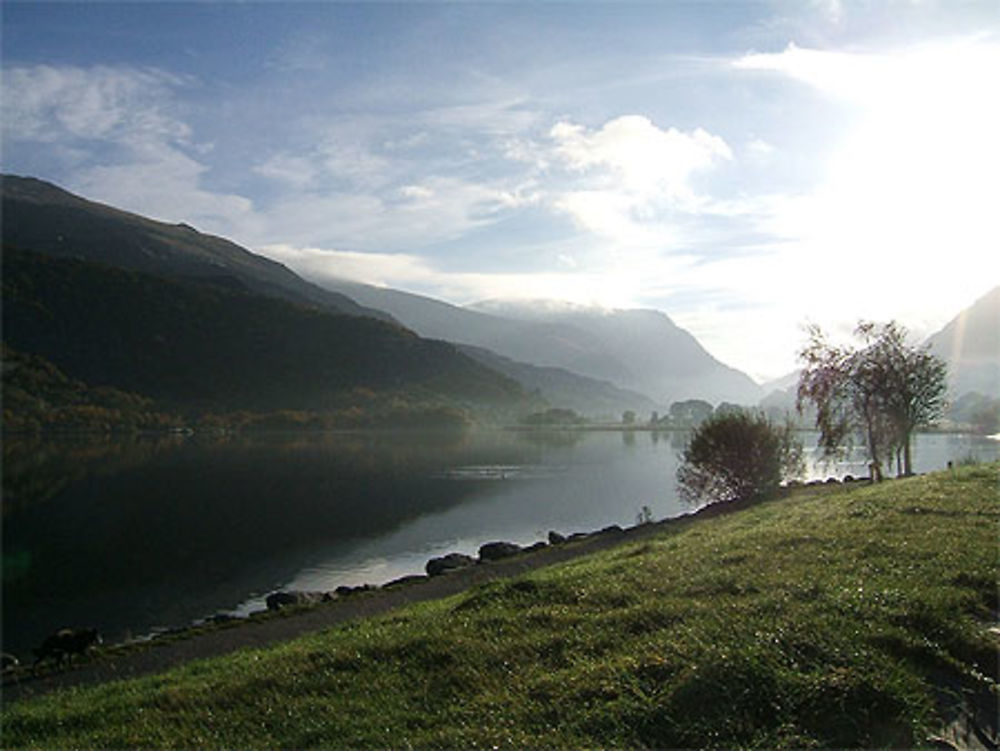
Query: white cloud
{"points": [[641, 159], [128, 140], [294, 171], [418, 274], [627, 179], [49, 103]]}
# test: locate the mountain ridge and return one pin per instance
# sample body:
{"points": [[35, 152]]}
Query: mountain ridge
{"points": [[45, 218], [970, 343], [637, 350]]}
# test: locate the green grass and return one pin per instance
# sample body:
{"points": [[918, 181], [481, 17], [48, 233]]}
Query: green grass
{"points": [[834, 617]]}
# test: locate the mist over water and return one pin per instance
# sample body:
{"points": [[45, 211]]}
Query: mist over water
{"points": [[133, 534]]}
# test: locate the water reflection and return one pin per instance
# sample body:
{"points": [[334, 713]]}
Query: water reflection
{"points": [[145, 532]]}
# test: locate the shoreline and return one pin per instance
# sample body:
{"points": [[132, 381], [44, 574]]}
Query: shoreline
{"points": [[148, 656]]}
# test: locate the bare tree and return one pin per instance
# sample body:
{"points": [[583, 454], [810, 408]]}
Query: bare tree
{"points": [[883, 390]]}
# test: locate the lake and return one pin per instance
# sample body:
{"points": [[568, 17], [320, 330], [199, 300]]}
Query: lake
{"points": [[131, 535]]}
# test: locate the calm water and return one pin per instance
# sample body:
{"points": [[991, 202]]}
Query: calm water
{"points": [[136, 534]]}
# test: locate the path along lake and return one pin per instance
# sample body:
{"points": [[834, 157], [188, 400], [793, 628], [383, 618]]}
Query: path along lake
{"points": [[132, 535]]}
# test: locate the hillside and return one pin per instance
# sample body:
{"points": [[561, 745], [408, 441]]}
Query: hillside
{"points": [[837, 617], [662, 359], [41, 217], [564, 389], [970, 344], [213, 345], [636, 350]]}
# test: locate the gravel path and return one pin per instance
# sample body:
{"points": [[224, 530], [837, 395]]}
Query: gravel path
{"points": [[157, 657]]}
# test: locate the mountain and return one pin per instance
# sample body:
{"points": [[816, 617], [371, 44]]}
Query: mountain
{"points": [[46, 219], [535, 343], [564, 389], [660, 358], [970, 344], [635, 350], [204, 346]]}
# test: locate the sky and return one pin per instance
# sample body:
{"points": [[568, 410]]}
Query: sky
{"points": [[746, 167]]}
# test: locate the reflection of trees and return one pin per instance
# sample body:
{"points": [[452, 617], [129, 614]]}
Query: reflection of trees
{"points": [[679, 439], [35, 468]]}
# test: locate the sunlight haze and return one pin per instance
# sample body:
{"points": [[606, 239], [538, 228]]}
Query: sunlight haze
{"points": [[745, 167]]}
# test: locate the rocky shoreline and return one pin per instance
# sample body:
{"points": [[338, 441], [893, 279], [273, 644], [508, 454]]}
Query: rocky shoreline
{"points": [[438, 566], [293, 613]]}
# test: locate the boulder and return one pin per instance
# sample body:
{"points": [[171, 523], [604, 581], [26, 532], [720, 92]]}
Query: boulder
{"points": [[540, 545], [493, 551], [344, 591], [612, 529], [450, 562], [555, 538], [283, 599]]}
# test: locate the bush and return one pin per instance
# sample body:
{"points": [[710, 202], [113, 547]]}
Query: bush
{"points": [[737, 456]]}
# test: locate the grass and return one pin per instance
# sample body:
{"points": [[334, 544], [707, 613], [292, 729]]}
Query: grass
{"points": [[836, 617]]}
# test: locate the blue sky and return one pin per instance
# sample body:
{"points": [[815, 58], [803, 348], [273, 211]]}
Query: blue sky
{"points": [[747, 167]]}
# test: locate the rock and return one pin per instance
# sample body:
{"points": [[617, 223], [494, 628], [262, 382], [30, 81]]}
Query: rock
{"points": [[283, 599], [493, 551], [612, 529], [540, 545], [555, 538], [344, 591], [405, 580], [450, 562], [577, 536]]}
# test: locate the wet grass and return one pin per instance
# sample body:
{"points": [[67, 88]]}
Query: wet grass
{"points": [[835, 617]]}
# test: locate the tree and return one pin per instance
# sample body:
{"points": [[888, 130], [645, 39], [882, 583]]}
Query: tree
{"points": [[737, 456], [883, 389], [691, 412]]}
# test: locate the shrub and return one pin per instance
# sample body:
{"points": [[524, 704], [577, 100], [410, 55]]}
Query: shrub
{"points": [[737, 456]]}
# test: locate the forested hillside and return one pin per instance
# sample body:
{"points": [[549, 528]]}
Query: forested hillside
{"points": [[213, 345]]}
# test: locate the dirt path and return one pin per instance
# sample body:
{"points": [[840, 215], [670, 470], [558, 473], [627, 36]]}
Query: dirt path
{"points": [[157, 657]]}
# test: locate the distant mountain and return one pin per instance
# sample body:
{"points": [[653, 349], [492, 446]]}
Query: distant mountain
{"points": [[535, 343], [43, 218], [659, 358], [564, 389], [970, 344], [638, 350], [784, 383], [204, 346]]}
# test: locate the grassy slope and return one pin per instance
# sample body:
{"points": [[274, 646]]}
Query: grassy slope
{"points": [[820, 619]]}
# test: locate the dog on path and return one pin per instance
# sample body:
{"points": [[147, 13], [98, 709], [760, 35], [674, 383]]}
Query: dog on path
{"points": [[65, 643]]}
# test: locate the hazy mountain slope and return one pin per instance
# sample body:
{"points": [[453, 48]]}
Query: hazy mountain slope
{"points": [[41, 217], [562, 388], [206, 346], [640, 351], [665, 361], [970, 343], [537, 343]]}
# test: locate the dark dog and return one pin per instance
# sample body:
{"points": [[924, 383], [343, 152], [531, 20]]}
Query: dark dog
{"points": [[65, 643]]}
